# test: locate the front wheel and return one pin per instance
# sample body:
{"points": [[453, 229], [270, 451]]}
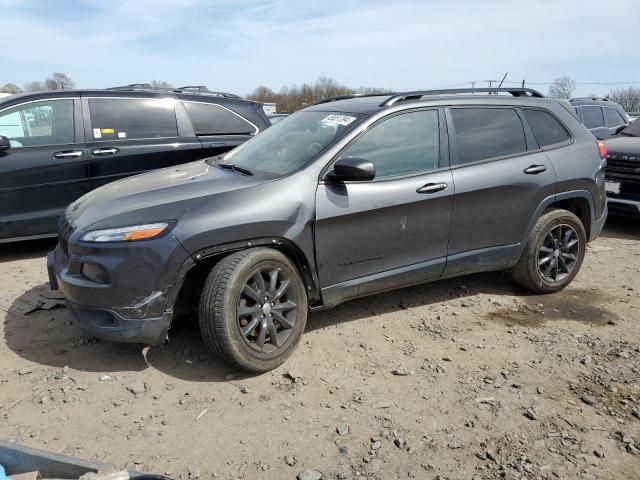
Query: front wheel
{"points": [[253, 309], [553, 254]]}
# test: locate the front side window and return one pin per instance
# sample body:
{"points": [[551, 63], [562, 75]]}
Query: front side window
{"points": [[132, 118], [613, 118], [48, 122], [400, 145], [210, 119], [592, 116], [290, 144], [485, 133], [546, 129]]}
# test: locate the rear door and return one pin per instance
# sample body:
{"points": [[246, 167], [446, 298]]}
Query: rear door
{"points": [[45, 169], [127, 136], [219, 128], [501, 176]]}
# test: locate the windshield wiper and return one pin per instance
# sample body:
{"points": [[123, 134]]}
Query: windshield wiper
{"points": [[235, 168]]}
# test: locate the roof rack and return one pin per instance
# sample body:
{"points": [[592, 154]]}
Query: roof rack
{"points": [[192, 89], [347, 97], [602, 99], [516, 92]]}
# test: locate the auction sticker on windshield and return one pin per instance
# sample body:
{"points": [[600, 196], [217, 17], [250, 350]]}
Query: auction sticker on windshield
{"points": [[343, 120]]}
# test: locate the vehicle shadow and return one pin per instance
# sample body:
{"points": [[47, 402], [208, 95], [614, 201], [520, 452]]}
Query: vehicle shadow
{"points": [[623, 228], [10, 252], [49, 337]]}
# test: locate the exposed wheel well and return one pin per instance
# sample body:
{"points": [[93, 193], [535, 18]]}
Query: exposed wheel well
{"points": [[186, 304], [579, 207]]}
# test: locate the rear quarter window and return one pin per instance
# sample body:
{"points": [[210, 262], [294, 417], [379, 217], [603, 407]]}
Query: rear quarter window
{"points": [[485, 133], [211, 119], [546, 128], [613, 118]]}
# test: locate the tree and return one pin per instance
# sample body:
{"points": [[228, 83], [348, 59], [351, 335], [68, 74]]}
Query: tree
{"points": [[59, 81], [34, 87], [629, 98], [160, 84], [263, 94], [10, 88], [562, 88], [294, 97]]}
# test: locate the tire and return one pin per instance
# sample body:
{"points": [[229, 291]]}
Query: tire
{"points": [[541, 254], [230, 303]]}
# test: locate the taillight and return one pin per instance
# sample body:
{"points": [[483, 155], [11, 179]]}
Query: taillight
{"points": [[602, 148]]}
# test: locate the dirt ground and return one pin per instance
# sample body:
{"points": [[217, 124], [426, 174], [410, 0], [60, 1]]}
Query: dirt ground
{"points": [[466, 378]]}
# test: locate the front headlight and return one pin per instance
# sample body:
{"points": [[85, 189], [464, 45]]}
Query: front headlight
{"points": [[126, 234]]}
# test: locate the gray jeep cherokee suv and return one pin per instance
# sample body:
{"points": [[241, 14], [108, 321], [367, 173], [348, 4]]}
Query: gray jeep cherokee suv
{"points": [[346, 198]]}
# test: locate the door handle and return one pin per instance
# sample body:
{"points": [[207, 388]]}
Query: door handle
{"points": [[432, 188], [535, 169], [73, 154], [105, 151]]}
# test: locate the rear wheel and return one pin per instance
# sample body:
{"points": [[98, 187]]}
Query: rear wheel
{"points": [[553, 254], [253, 309]]}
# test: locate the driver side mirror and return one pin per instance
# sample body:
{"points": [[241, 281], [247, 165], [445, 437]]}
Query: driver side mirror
{"points": [[619, 129], [5, 144], [352, 169]]}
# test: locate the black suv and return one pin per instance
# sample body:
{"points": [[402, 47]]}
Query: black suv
{"points": [[601, 116], [623, 171], [343, 199], [57, 146]]}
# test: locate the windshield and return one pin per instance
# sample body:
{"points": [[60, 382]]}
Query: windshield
{"points": [[632, 130], [291, 143]]}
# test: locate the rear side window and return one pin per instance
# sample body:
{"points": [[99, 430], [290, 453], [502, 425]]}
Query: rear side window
{"points": [[613, 118], [592, 116], [210, 119], [483, 133], [130, 119], [546, 129]]}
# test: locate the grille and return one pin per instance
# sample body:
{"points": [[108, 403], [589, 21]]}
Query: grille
{"points": [[65, 229], [617, 165]]}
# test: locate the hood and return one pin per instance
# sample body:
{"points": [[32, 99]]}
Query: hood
{"points": [[155, 196], [623, 145]]}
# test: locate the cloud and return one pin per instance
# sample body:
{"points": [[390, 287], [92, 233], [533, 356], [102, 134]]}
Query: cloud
{"points": [[236, 45]]}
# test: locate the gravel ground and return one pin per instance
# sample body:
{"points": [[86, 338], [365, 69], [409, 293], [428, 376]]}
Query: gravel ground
{"points": [[466, 378]]}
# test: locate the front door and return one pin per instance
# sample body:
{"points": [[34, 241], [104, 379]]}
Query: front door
{"points": [[45, 168], [393, 230]]}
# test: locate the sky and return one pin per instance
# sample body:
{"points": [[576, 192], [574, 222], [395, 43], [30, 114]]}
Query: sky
{"points": [[237, 45]]}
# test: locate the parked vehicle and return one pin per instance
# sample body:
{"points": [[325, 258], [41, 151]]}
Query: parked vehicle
{"points": [[340, 200], [601, 116], [623, 171], [60, 145]]}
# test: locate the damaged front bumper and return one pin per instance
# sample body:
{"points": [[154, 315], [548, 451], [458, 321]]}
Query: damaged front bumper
{"points": [[121, 292]]}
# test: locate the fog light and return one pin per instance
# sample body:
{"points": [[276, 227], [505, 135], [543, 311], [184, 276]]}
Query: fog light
{"points": [[94, 272]]}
